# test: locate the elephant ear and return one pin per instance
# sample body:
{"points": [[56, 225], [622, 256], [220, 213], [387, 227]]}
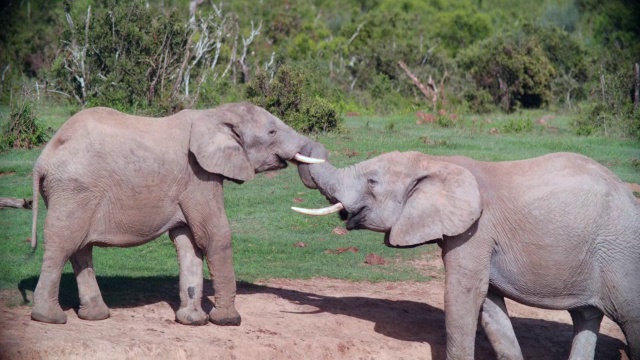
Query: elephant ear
{"points": [[445, 201], [217, 148]]}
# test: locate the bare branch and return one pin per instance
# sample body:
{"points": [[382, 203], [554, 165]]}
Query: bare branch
{"points": [[353, 37], [59, 92], [245, 45], [430, 93]]}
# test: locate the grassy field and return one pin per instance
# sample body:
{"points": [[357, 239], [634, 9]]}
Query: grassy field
{"points": [[265, 229]]}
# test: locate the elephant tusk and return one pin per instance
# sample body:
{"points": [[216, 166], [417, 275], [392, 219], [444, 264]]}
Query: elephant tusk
{"points": [[307, 160], [324, 211]]}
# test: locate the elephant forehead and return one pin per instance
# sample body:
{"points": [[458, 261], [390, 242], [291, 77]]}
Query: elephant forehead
{"points": [[394, 163]]}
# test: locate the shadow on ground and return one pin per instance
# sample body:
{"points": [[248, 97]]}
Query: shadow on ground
{"points": [[397, 319]]}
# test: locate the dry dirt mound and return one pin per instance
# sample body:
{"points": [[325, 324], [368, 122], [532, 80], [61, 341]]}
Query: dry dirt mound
{"points": [[285, 319]]}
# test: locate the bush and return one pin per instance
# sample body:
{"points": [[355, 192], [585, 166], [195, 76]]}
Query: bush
{"points": [[513, 69], [479, 101], [515, 126], [285, 98], [125, 57], [23, 130], [610, 109]]}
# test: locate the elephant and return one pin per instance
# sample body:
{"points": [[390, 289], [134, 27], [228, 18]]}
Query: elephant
{"points": [[110, 179], [559, 231]]}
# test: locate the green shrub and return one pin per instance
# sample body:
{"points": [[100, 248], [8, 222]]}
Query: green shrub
{"points": [[285, 97], [610, 108], [444, 120], [23, 129], [462, 27], [479, 101], [515, 126], [513, 69]]}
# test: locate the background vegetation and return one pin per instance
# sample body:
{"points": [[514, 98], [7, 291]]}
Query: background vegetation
{"points": [[340, 56]]}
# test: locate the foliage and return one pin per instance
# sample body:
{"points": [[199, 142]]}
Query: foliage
{"points": [[610, 109], [479, 101], [514, 70], [285, 97], [29, 40], [461, 28], [515, 126], [157, 57], [23, 130]]}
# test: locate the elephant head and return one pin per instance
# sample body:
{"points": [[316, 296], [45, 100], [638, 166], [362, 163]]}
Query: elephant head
{"points": [[411, 197], [240, 140]]}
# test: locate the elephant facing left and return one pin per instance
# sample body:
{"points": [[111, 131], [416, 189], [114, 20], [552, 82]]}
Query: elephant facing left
{"points": [[112, 179]]}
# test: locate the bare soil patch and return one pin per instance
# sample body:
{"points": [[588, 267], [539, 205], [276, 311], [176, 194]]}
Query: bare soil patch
{"points": [[285, 319]]}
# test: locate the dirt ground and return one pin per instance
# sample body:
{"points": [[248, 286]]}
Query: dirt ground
{"points": [[288, 319]]}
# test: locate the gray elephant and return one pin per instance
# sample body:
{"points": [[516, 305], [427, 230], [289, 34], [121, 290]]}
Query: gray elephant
{"points": [[558, 232], [111, 179]]}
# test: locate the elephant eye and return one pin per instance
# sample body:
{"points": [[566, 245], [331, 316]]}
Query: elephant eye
{"points": [[372, 182], [272, 132]]}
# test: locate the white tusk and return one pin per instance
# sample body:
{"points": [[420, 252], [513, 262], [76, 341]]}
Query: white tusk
{"points": [[308, 160], [324, 211]]}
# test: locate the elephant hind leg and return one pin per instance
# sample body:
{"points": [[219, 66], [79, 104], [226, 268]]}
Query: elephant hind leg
{"points": [[92, 306], [631, 330], [46, 306], [497, 326], [586, 324]]}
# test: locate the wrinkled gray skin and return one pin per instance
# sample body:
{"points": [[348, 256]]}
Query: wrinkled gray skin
{"points": [[111, 179], [556, 232]]}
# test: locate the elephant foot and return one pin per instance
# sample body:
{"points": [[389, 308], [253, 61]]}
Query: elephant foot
{"points": [[228, 317], [190, 316], [95, 310], [51, 315]]}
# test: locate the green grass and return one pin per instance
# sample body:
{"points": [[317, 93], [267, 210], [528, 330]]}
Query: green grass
{"points": [[265, 229]]}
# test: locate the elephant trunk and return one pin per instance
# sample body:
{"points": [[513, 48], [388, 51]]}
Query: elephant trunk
{"points": [[328, 179]]}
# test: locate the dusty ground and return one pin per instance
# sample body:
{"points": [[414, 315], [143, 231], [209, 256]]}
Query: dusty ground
{"points": [[286, 319]]}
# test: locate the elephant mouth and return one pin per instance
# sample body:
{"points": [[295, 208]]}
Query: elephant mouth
{"points": [[354, 219]]}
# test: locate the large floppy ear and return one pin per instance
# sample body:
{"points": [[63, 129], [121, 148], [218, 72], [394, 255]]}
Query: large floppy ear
{"points": [[217, 148], [444, 199]]}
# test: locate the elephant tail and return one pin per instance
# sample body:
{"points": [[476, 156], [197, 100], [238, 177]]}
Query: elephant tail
{"points": [[34, 222]]}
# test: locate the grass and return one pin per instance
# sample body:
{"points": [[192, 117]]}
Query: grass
{"points": [[265, 230]]}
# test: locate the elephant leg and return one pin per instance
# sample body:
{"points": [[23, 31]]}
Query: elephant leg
{"points": [[220, 262], [586, 324], [497, 325], [46, 306], [467, 268], [191, 279], [92, 306], [203, 208], [631, 330]]}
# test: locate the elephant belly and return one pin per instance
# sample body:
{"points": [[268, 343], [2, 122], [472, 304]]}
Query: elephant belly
{"points": [[134, 223], [543, 281]]}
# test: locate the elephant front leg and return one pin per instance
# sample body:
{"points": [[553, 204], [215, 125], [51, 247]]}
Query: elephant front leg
{"points": [[203, 208], [220, 262], [191, 280], [92, 306], [466, 287]]}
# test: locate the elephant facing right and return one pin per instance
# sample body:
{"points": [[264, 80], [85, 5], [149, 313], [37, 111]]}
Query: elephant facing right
{"points": [[558, 232]]}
